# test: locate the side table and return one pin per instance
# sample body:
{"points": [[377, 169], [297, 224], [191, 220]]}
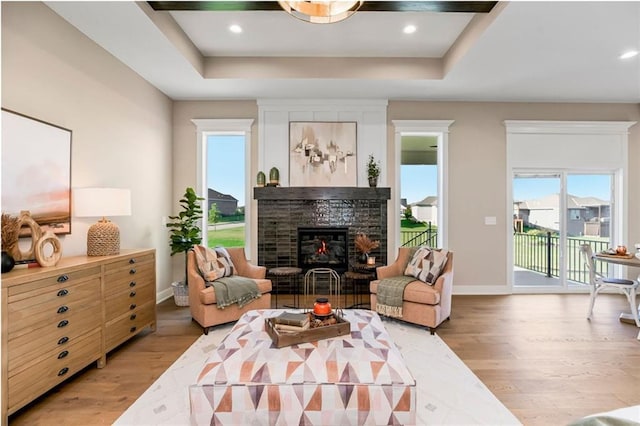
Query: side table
{"points": [[316, 275], [290, 272], [355, 278]]}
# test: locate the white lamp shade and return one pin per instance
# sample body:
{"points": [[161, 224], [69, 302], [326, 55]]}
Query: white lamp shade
{"points": [[101, 202]]}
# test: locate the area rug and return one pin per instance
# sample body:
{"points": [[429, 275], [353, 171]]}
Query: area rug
{"points": [[448, 393]]}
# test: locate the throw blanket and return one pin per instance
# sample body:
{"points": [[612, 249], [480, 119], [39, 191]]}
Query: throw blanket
{"points": [[389, 297], [234, 289]]}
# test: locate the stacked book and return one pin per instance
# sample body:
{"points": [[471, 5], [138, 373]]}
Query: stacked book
{"points": [[290, 322], [26, 264]]}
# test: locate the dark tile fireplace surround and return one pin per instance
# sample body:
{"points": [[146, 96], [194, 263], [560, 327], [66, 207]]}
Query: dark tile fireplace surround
{"points": [[283, 212]]}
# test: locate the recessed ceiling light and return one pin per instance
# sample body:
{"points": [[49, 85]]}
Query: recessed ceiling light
{"points": [[237, 29], [629, 54], [409, 29]]}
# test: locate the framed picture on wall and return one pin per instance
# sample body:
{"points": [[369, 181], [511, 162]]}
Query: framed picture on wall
{"points": [[322, 153], [36, 171]]}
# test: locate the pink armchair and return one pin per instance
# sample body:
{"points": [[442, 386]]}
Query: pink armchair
{"points": [[202, 299], [422, 304]]}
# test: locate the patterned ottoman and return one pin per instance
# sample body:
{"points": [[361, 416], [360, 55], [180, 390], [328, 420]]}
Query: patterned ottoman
{"points": [[349, 380]]}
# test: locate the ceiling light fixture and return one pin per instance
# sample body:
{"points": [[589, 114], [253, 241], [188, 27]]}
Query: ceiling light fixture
{"points": [[321, 12], [629, 54], [236, 29], [409, 29]]}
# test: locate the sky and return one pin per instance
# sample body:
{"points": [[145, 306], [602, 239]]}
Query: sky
{"points": [[225, 165], [226, 174], [418, 182], [598, 186]]}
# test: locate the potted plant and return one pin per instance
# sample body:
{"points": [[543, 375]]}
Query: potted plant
{"points": [[373, 171], [185, 233], [364, 245]]}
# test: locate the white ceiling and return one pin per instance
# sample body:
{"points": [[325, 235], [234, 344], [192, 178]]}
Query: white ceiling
{"points": [[530, 51]]}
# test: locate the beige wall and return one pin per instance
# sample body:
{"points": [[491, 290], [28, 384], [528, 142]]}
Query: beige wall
{"points": [[477, 173], [478, 176], [121, 124], [125, 134]]}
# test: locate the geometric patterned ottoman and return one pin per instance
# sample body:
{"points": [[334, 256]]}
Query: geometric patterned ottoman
{"points": [[354, 379]]}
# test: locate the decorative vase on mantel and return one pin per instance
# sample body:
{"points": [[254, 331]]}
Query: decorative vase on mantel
{"points": [[261, 179], [274, 176], [373, 182]]}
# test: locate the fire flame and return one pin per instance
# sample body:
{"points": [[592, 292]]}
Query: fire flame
{"points": [[323, 248]]}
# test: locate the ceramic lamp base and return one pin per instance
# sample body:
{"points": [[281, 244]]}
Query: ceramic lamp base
{"points": [[103, 239]]}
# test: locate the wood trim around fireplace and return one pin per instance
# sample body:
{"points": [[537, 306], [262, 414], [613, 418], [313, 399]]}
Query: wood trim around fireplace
{"points": [[321, 193]]}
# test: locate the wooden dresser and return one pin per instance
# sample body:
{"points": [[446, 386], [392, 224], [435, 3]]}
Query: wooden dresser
{"points": [[58, 320]]}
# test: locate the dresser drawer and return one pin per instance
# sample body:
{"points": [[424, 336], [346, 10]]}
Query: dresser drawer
{"points": [[128, 301], [130, 262], [27, 383], [50, 336], [129, 324], [51, 304], [62, 279], [129, 279]]}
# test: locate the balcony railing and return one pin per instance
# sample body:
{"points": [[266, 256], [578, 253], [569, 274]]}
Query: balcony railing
{"points": [[539, 253], [427, 237]]}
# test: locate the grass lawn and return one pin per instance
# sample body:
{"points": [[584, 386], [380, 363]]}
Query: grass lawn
{"points": [[408, 225], [231, 237]]}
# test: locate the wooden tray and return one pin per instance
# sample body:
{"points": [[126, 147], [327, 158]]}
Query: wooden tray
{"points": [[619, 256], [341, 328]]}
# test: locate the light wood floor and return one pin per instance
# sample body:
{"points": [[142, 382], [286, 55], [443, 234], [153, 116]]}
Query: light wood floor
{"points": [[537, 353]]}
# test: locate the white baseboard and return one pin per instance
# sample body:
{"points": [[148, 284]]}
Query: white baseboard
{"points": [[480, 289], [163, 295]]}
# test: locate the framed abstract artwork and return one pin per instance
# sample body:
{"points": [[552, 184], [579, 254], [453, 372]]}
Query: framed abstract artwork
{"points": [[322, 154], [36, 171]]}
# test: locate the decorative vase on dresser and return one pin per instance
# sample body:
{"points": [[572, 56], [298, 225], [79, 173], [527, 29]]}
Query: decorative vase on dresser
{"points": [[57, 320]]}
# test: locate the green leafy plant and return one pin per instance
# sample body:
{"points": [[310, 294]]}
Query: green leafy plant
{"points": [[214, 214], [408, 214], [373, 168], [185, 232]]}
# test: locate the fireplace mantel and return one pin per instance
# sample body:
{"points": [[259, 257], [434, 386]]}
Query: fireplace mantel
{"points": [[281, 211], [321, 193]]}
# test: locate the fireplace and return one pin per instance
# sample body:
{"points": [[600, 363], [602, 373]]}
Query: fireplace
{"points": [[282, 211], [322, 247]]}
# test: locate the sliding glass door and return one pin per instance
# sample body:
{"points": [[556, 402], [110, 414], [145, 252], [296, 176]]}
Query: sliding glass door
{"points": [[553, 214], [537, 206], [588, 217]]}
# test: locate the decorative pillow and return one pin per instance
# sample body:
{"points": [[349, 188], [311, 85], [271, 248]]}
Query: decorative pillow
{"points": [[427, 265], [415, 264], [208, 263], [224, 260]]}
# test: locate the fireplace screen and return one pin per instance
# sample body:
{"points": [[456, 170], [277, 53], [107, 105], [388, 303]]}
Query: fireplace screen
{"points": [[323, 248]]}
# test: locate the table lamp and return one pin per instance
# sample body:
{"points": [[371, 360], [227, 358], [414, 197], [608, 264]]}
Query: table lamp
{"points": [[103, 237]]}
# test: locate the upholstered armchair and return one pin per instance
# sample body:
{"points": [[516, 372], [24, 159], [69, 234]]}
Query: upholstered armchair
{"points": [[422, 304], [202, 299]]}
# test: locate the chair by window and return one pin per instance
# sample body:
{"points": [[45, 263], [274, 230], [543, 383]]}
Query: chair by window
{"points": [[598, 282]]}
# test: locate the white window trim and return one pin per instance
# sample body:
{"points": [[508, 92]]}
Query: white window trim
{"points": [[212, 126], [439, 128]]}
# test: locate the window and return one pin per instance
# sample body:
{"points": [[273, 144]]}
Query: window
{"points": [[421, 148], [225, 190], [223, 179]]}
